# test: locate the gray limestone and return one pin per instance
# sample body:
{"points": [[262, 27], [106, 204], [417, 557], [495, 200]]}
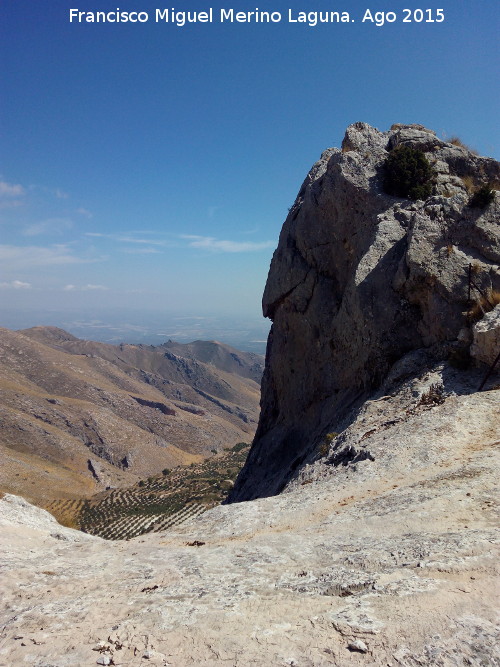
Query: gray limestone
{"points": [[359, 279]]}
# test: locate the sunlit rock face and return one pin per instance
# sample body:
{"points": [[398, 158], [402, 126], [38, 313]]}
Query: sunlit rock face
{"points": [[359, 279]]}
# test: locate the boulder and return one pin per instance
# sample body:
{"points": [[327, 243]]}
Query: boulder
{"points": [[486, 338]]}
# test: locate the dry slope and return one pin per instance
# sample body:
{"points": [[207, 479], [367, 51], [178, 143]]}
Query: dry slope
{"points": [[78, 416]]}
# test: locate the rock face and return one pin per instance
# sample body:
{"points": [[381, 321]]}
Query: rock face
{"points": [[486, 337], [359, 279]]}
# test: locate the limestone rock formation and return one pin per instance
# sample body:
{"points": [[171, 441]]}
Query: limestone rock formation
{"points": [[486, 337], [359, 279]]}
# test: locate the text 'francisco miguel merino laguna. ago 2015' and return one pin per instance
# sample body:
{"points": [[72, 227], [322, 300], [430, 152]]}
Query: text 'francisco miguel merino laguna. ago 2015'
{"points": [[309, 18]]}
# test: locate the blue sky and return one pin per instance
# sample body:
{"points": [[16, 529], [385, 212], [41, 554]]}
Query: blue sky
{"points": [[149, 167]]}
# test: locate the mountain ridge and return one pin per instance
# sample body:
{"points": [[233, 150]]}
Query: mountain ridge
{"points": [[100, 415]]}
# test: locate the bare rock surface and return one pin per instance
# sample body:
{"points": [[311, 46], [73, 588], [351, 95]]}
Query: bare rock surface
{"points": [[486, 337], [386, 559], [359, 279]]}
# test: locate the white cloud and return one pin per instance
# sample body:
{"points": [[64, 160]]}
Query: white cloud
{"points": [[143, 251], [131, 239], [86, 213], [60, 194], [84, 288], [128, 237], [49, 226], [211, 243], [11, 190], [17, 257], [15, 284]]}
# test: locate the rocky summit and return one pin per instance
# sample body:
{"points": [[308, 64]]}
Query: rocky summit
{"points": [[380, 428], [359, 279]]}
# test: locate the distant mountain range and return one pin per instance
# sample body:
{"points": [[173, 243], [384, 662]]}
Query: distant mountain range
{"points": [[79, 416]]}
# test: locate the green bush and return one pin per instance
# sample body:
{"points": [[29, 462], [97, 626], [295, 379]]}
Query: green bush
{"points": [[238, 447], [407, 173], [482, 197]]}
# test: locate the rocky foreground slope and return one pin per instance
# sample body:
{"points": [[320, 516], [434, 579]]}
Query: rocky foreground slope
{"points": [[388, 561]]}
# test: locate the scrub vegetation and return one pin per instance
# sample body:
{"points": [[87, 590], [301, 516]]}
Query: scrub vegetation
{"points": [[408, 173]]}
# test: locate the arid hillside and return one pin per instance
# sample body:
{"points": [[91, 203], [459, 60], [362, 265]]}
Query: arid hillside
{"points": [[79, 416]]}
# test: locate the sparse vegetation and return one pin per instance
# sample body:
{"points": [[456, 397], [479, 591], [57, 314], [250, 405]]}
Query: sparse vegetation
{"points": [[475, 267], [433, 396], [408, 173], [157, 503], [324, 445], [238, 447], [482, 197], [469, 183], [323, 449], [456, 141], [483, 305]]}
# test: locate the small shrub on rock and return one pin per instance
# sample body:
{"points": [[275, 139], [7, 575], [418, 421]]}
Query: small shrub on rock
{"points": [[433, 396], [456, 141], [482, 197], [408, 173]]}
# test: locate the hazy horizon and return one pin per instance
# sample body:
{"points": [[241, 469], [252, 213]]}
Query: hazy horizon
{"points": [[137, 327]]}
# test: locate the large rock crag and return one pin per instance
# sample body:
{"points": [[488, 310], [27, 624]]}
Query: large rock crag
{"points": [[359, 279]]}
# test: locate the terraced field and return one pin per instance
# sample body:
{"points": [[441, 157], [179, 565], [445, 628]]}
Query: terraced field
{"points": [[157, 503]]}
